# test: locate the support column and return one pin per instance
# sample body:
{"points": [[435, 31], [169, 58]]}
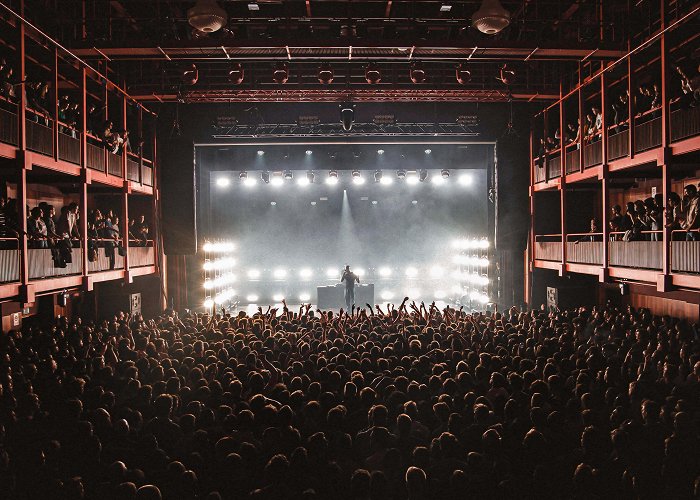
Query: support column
{"points": [[664, 280], [85, 181], [630, 104], [581, 121], [605, 222], [53, 109]]}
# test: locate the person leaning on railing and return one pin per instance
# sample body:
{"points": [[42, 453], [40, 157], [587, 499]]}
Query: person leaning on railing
{"points": [[690, 221]]}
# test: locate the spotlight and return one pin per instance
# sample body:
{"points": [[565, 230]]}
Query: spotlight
{"points": [[357, 177], [463, 74], [479, 297], [306, 273], [445, 8], [279, 274], [491, 18], [378, 176], [465, 180], [223, 182], [250, 182], [189, 75], [332, 178], [253, 274], [428, 151], [278, 297], [304, 297], [380, 151], [220, 281], [281, 73], [445, 173], [277, 181], [208, 303], [261, 152], [219, 264], [506, 75], [288, 175], [218, 247], [438, 181], [224, 296], [252, 298], [423, 175], [401, 174], [386, 180], [411, 272], [417, 73], [303, 181], [331, 272], [347, 116], [325, 74], [309, 152], [387, 295], [360, 272], [236, 74], [412, 178], [384, 272], [372, 73]]}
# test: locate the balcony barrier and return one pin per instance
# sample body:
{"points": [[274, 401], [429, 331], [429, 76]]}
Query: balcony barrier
{"points": [[141, 256], [573, 159], [592, 154], [68, 148], [685, 123], [540, 171], [114, 164], [132, 170], [636, 254], [8, 124], [39, 136], [548, 247], [647, 135], [9, 260], [584, 248], [618, 145], [95, 157], [41, 264], [147, 175], [554, 165], [104, 262]]}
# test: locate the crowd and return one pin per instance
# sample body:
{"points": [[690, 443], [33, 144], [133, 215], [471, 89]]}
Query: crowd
{"points": [[408, 402]]}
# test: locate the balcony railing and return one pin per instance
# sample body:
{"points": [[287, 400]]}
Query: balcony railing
{"points": [[636, 254], [647, 135], [147, 174], [9, 260], [618, 145], [132, 170], [592, 154], [685, 123], [114, 164], [548, 247], [584, 248], [39, 135], [107, 257], [141, 256], [41, 263], [573, 159], [8, 122], [95, 157], [69, 146], [540, 171], [554, 165]]}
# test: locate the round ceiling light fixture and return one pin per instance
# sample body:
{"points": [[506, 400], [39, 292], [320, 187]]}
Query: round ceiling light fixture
{"points": [[236, 74], [491, 18], [325, 74], [417, 73], [207, 16], [373, 74], [281, 73], [190, 75], [463, 74]]}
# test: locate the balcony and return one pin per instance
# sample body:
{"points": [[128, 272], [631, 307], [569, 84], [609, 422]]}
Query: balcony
{"points": [[8, 122], [39, 134], [554, 165], [69, 145], [592, 154], [41, 263], [647, 135], [9, 260], [95, 154], [147, 173], [114, 164], [132, 168], [573, 159], [142, 256], [584, 248], [548, 247], [685, 123], [107, 257], [618, 144]]}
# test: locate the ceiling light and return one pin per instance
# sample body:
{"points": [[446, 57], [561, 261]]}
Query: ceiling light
{"points": [[189, 75], [332, 178], [207, 16], [491, 18], [253, 7], [236, 74], [325, 74], [373, 74], [309, 152], [445, 173], [445, 8], [380, 151], [417, 73], [428, 151], [223, 182], [347, 116], [261, 152], [463, 74]]}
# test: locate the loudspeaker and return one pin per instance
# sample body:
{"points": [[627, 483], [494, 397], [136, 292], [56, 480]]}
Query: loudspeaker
{"points": [[178, 188]]}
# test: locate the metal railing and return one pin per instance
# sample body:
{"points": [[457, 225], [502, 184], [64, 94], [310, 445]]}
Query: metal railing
{"points": [[548, 247], [107, 256], [132, 169], [42, 265], [685, 123], [141, 256], [10, 259], [8, 122], [584, 248]]}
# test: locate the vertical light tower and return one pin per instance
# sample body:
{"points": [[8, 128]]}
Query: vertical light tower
{"points": [[219, 261]]}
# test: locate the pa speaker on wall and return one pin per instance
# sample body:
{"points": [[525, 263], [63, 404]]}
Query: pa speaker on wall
{"points": [[178, 190]]}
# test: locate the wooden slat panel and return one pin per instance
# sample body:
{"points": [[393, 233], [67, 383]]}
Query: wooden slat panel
{"points": [[554, 166], [647, 135], [95, 157], [548, 250], [69, 148], [540, 172], [685, 123], [585, 252], [132, 170], [9, 266], [147, 173], [685, 256], [573, 161], [39, 138], [592, 154], [102, 262], [114, 164], [141, 256], [618, 145], [8, 127], [41, 264], [638, 254]]}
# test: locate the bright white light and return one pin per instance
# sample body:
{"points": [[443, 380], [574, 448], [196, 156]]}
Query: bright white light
{"points": [[218, 282], [278, 297], [436, 272], [208, 303], [225, 296], [219, 264], [309, 152], [439, 294], [306, 273], [387, 295], [414, 293], [411, 272], [358, 180], [469, 244], [279, 274], [250, 182], [465, 260], [331, 272], [304, 297], [252, 298], [331, 181], [428, 151], [253, 274], [412, 179], [380, 151], [465, 180], [384, 272], [386, 180], [261, 152], [223, 182], [479, 297], [437, 180], [218, 247], [277, 181], [360, 272], [303, 181]]}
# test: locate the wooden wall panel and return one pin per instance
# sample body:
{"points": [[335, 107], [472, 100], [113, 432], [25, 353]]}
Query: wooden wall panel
{"points": [[661, 306]]}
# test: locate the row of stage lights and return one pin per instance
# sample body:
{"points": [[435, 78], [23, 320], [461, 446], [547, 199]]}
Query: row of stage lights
{"points": [[410, 177]]}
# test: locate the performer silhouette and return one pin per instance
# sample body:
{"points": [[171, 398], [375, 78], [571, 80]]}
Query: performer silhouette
{"points": [[349, 278]]}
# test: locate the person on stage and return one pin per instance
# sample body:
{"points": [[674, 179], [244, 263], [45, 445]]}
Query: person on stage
{"points": [[349, 278]]}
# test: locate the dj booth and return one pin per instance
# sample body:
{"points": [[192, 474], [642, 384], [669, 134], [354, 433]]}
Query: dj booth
{"points": [[333, 297]]}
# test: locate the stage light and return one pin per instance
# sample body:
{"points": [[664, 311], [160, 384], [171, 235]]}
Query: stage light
{"points": [[437, 272], [273, 203], [469, 244], [384, 272], [276, 181], [218, 282], [401, 174], [374, 202], [386, 295], [428, 151], [303, 181], [465, 260], [380, 151], [252, 298], [417, 73], [236, 74], [332, 178], [253, 274], [331, 272], [438, 181], [224, 296], [189, 75], [411, 272], [223, 182], [261, 152], [265, 176], [309, 152], [219, 264], [463, 74], [378, 176], [310, 176], [281, 73], [279, 274], [386, 180], [373, 74], [306, 273], [360, 272], [347, 116], [208, 303], [250, 182], [479, 297], [445, 173], [423, 175], [304, 297], [357, 177], [439, 294], [288, 175], [445, 8], [207, 16], [412, 178], [325, 74], [465, 180], [506, 75], [218, 247], [278, 297]]}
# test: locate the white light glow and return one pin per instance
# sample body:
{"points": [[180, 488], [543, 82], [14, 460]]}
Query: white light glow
{"points": [[252, 298], [253, 274], [261, 152], [387, 295], [465, 180], [380, 151], [309, 152], [470, 244], [277, 181], [428, 151], [218, 247], [331, 181], [279, 274], [414, 293], [437, 180], [439, 294], [250, 182], [386, 180], [208, 303], [360, 272], [465, 260], [358, 180], [225, 296], [219, 281], [304, 297], [412, 179], [223, 182], [472, 278], [479, 297], [278, 297], [303, 181], [306, 273], [219, 264], [411, 272], [437, 272], [384, 272]]}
